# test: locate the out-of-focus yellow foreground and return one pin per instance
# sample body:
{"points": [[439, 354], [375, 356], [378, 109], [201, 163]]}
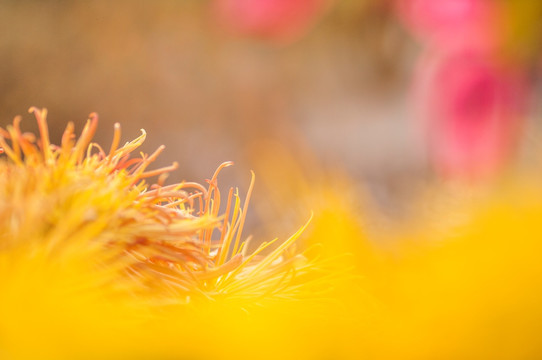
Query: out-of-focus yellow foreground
{"points": [[96, 264]]}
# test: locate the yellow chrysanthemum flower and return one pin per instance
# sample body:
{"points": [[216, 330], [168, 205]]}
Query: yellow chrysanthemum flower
{"points": [[95, 262]]}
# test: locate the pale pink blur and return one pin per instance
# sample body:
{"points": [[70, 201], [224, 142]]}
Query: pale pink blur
{"points": [[277, 20], [444, 23]]}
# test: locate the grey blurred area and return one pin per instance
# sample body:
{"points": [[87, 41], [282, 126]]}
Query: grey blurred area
{"points": [[339, 93]]}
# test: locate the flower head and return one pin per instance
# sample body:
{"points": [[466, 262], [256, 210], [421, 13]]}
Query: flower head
{"points": [[87, 244], [473, 108]]}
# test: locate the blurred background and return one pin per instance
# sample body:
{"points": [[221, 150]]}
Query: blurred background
{"points": [[302, 96]]}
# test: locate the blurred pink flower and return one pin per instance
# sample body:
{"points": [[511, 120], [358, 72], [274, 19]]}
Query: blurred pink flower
{"points": [[474, 110], [445, 22], [277, 20]]}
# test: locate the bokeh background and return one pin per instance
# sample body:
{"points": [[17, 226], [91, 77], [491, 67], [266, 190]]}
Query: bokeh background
{"points": [[331, 102]]}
